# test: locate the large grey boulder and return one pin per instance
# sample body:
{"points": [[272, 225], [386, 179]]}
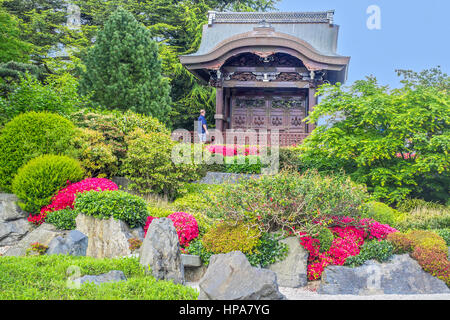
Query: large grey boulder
{"points": [[112, 276], [44, 234], [161, 251], [292, 271], [400, 275], [75, 244], [231, 277], [13, 221], [108, 238]]}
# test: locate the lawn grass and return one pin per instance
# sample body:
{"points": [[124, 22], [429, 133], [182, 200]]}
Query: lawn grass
{"points": [[45, 278]]}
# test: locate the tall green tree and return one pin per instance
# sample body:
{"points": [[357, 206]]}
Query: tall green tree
{"points": [[123, 68], [395, 141], [12, 47]]}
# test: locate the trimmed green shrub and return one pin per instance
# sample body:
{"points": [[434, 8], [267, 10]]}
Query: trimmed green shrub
{"points": [[46, 278], [326, 238], [149, 164], [30, 135], [381, 213], [40, 179], [250, 164], [118, 204], [62, 219], [378, 250], [269, 251]]}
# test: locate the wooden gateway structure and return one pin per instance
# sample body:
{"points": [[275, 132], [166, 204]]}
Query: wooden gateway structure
{"points": [[266, 68]]}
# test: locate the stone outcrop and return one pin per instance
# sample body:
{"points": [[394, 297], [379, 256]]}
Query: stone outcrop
{"points": [[75, 244], [161, 251], [13, 221], [108, 238], [292, 271], [231, 277], [44, 234], [112, 276], [400, 275]]}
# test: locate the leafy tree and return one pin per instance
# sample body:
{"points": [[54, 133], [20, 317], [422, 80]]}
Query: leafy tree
{"points": [[11, 45], [395, 141], [123, 68], [11, 73]]}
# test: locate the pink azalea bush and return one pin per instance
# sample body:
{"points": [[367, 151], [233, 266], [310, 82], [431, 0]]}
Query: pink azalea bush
{"points": [[65, 198], [233, 150], [349, 236], [185, 224]]}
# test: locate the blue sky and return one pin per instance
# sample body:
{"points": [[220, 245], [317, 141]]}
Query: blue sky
{"points": [[414, 34]]}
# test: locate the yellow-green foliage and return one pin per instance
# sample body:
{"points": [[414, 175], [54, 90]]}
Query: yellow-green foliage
{"points": [[426, 218], [224, 238], [96, 156], [407, 242], [381, 213]]}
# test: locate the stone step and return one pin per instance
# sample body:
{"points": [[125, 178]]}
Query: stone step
{"points": [[190, 260]]}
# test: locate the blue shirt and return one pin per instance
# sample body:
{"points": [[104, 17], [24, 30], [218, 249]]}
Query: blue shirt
{"points": [[201, 122]]}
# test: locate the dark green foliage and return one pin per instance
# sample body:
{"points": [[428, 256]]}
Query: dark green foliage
{"points": [[118, 204], [62, 219], [30, 135], [123, 68], [378, 250], [40, 179], [12, 72], [196, 248], [445, 234], [269, 251], [326, 238], [46, 278]]}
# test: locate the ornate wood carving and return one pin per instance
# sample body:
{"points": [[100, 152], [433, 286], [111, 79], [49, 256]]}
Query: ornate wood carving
{"points": [[288, 103], [250, 103], [274, 60]]}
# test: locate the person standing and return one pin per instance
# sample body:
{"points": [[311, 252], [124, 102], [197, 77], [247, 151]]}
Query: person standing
{"points": [[202, 126]]}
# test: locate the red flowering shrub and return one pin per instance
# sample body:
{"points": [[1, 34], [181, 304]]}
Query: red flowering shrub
{"points": [[66, 197], [185, 224], [349, 236], [233, 150]]}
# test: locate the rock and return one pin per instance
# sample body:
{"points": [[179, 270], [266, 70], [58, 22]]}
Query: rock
{"points": [[292, 271], [44, 234], [190, 260], [112, 276], [223, 177], [231, 277], [194, 274], [400, 275], [75, 244], [13, 221], [108, 238], [161, 251]]}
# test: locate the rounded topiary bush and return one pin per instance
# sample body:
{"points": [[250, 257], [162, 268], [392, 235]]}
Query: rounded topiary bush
{"points": [[38, 180], [30, 135], [380, 212], [118, 204]]}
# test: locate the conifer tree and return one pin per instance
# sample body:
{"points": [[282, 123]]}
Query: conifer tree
{"points": [[123, 68]]}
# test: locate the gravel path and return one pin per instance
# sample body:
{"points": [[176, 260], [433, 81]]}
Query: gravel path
{"points": [[306, 293]]}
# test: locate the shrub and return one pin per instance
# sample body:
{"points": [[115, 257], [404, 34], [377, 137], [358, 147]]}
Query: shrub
{"points": [[288, 200], [426, 219], [380, 212], [48, 275], [401, 242], [185, 224], [65, 198], [445, 234], [289, 158], [135, 244], [244, 164], [118, 204], [409, 205], [63, 219], [30, 135], [269, 251], [38, 180], [149, 164], [378, 250], [95, 155], [325, 237], [224, 238], [37, 248], [433, 261]]}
